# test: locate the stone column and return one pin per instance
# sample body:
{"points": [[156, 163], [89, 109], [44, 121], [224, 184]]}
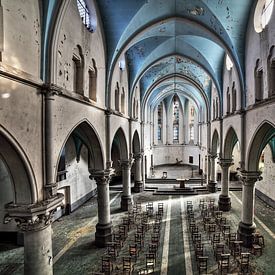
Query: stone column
{"points": [[212, 184], [35, 222], [126, 199], [104, 226], [247, 225], [50, 91], [224, 199], [138, 173]]}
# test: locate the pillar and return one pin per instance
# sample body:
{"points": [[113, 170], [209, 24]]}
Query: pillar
{"points": [[138, 187], [35, 222], [126, 199], [104, 226], [212, 183], [247, 226], [50, 188], [224, 199]]}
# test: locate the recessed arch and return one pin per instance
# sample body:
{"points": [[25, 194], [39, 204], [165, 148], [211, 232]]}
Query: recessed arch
{"points": [[215, 142], [120, 141], [19, 168], [264, 133], [86, 133], [136, 143], [230, 141]]}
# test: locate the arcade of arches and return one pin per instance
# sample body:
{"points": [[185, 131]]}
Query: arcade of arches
{"points": [[99, 98]]}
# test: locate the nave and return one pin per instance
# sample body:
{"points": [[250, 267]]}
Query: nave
{"points": [[74, 250]]}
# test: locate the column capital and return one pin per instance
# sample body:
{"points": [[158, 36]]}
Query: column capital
{"points": [[109, 112], [126, 164], [213, 156], [249, 178], [51, 90], [138, 156], [225, 163], [33, 217], [102, 177]]}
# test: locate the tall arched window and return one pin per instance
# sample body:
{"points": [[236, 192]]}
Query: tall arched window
{"points": [[217, 107], [93, 81], [117, 97], [159, 122], [214, 110], [234, 97], [176, 113], [78, 65], [123, 101], [258, 74], [228, 101], [271, 72], [137, 109]]}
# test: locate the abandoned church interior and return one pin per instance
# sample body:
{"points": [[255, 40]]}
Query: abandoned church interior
{"points": [[137, 137]]}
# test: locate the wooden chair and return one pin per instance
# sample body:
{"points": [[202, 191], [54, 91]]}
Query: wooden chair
{"points": [[244, 262], [133, 251], [122, 231], [106, 265], [118, 241], [160, 208], [196, 238], [155, 239], [202, 204], [127, 266], [236, 249], [202, 264], [112, 250], [150, 262], [216, 238], [218, 251], [211, 229], [218, 216], [150, 209], [223, 263], [231, 238], [198, 250], [153, 248], [257, 244], [139, 240], [225, 228]]}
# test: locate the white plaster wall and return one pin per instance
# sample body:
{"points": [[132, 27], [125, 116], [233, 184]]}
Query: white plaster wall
{"points": [[67, 115], [22, 35], [77, 177], [67, 38], [267, 185], [21, 116], [168, 154]]}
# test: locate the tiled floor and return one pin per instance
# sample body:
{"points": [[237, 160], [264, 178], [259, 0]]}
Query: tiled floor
{"points": [[75, 253]]}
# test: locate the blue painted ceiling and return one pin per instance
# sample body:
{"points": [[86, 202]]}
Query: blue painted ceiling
{"points": [[152, 32], [155, 34]]}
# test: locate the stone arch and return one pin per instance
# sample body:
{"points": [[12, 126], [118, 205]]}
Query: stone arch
{"points": [[19, 169], [264, 133], [230, 141], [88, 136], [119, 140], [136, 143], [215, 142]]}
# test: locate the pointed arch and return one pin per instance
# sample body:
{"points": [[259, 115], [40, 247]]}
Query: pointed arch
{"points": [[119, 140], [84, 133], [136, 143], [19, 168], [262, 136], [215, 142], [230, 141]]}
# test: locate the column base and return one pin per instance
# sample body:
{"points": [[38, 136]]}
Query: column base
{"points": [[245, 232], [103, 234], [126, 202], [212, 186], [224, 203], [138, 187]]}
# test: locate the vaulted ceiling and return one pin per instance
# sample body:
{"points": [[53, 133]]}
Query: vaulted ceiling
{"points": [[161, 38], [179, 41]]}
